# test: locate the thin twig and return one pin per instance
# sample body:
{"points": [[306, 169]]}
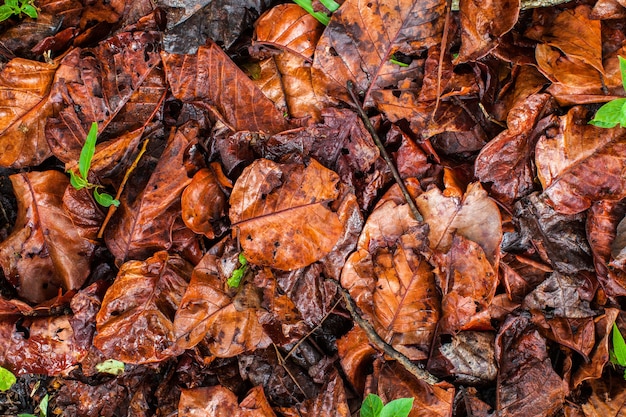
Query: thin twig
{"points": [[385, 347], [384, 154]]}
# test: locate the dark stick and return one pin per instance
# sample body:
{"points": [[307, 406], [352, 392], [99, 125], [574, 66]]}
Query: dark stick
{"points": [[383, 346], [384, 154]]}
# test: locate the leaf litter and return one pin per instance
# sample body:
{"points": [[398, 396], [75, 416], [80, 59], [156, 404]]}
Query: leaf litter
{"points": [[235, 150]]}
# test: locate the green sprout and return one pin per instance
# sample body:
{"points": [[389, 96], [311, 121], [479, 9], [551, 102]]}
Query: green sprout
{"points": [[393, 60], [373, 407], [323, 18], [614, 112], [79, 181], [618, 353], [43, 408], [238, 274], [16, 8]]}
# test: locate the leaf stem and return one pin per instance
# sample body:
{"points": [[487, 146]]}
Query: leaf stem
{"points": [[384, 154], [377, 341]]}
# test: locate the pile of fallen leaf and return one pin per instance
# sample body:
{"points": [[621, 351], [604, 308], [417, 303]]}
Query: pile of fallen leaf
{"points": [[226, 127]]}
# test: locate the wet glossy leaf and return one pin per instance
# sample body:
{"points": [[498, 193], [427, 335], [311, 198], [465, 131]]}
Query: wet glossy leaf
{"points": [[208, 310], [295, 32], [372, 406], [46, 251], [203, 203], [111, 366], [24, 88], [526, 381], [469, 358], [362, 53], [332, 399], [482, 24], [473, 216], [118, 87], [507, 161], [211, 81], [135, 323], [144, 222], [7, 379], [391, 281], [283, 213], [220, 402]]}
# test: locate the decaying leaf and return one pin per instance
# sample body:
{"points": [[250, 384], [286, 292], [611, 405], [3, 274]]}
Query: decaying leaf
{"points": [[608, 397], [220, 402], [135, 323], [391, 281], [203, 203], [24, 88], [473, 216], [148, 221], [46, 251], [579, 150], [211, 81], [362, 53], [283, 214], [208, 310], [293, 31]]}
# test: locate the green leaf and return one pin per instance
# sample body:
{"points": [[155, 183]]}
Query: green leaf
{"points": [[89, 148], [13, 4], [104, 199], [372, 406], [400, 407], [29, 10], [7, 379], [622, 69], [610, 114], [239, 273], [308, 7], [43, 406], [331, 5], [111, 366], [5, 12], [400, 63], [77, 181], [26, 415], [619, 346]]}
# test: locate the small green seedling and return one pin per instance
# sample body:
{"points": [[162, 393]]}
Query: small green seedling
{"points": [[238, 274], [16, 8], [111, 366], [393, 60], [614, 112], [79, 181], [373, 407], [323, 18], [618, 354], [43, 408], [7, 379]]}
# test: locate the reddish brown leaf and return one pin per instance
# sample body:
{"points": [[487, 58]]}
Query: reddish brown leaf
{"points": [[608, 397], [579, 151], [506, 161], [210, 80], [331, 400], [208, 309], [468, 282], [521, 275], [527, 384], [356, 355], [203, 203], [482, 23], [24, 87], [281, 213], [148, 221], [295, 33], [218, 401], [362, 52], [473, 216], [119, 87], [392, 381], [135, 323], [561, 296], [46, 251], [391, 281]]}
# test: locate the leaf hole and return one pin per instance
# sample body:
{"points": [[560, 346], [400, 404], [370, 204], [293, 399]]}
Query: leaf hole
{"points": [[333, 52], [345, 151]]}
